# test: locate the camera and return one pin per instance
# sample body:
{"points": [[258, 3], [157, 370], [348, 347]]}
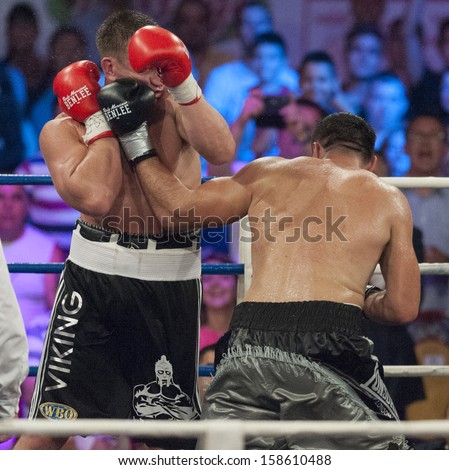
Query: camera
{"points": [[270, 116]]}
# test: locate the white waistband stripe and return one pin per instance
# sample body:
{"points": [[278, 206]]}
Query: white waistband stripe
{"points": [[179, 264]]}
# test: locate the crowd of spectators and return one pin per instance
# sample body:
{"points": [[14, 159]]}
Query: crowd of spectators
{"points": [[270, 104], [385, 79]]}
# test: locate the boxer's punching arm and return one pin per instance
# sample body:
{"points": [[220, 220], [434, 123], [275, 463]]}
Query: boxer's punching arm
{"points": [[399, 302], [83, 160], [206, 131], [198, 123], [219, 201]]}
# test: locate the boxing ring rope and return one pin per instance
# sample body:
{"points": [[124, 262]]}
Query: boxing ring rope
{"points": [[231, 434], [389, 371], [417, 181], [222, 434], [398, 181], [223, 268], [26, 179]]}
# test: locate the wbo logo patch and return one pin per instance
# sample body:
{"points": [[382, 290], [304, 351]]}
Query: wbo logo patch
{"points": [[57, 411]]}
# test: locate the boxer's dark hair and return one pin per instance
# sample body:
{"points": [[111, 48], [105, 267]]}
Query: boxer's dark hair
{"points": [[114, 33], [346, 131]]}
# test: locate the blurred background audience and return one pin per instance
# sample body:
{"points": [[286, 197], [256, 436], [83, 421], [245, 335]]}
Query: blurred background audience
{"points": [[219, 299], [365, 58], [426, 143], [67, 45], [237, 91], [300, 117], [22, 243], [385, 106], [319, 82], [192, 22], [251, 18]]}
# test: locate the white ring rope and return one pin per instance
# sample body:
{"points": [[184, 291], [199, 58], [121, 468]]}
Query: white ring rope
{"points": [[222, 434], [417, 181], [416, 371], [428, 268]]}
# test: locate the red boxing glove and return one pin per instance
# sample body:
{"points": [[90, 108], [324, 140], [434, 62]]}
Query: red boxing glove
{"points": [[155, 47], [76, 87]]}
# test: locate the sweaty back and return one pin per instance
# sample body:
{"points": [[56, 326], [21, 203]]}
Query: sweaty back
{"points": [[318, 231]]}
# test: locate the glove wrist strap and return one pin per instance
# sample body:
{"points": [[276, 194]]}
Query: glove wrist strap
{"points": [[189, 92], [137, 144], [97, 127], [150, 154], [370, 290]]}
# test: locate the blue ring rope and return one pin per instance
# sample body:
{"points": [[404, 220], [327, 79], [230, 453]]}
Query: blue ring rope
{"points": [[204, 371], [26, 179], [225, 268], [41, 179]]}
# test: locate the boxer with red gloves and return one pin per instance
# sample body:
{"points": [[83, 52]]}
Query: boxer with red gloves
{"points": [[127, 308]]}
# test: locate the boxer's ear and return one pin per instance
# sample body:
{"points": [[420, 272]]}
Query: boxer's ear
{"points": [[107, 65], [317, 150], [372, 164]]}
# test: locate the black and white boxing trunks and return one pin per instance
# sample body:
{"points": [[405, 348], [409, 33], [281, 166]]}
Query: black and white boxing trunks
{"points": [[123, 336], [300, 361]]}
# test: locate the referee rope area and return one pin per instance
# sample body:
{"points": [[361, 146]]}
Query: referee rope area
{"points": [[230, 434]]}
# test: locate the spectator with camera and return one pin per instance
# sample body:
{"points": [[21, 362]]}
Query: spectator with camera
{"points": [[250, 95], [259, 124]]}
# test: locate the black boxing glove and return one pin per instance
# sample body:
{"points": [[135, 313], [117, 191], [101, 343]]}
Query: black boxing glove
{"points": [[126, 105]]}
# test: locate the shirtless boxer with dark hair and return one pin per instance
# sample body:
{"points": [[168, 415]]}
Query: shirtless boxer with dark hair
{"points": [[129, 296], [320, 226]]}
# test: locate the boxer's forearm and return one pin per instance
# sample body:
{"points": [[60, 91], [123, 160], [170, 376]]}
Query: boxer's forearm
{"points": [[381, 308], [217, 202], [207, 132]]}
